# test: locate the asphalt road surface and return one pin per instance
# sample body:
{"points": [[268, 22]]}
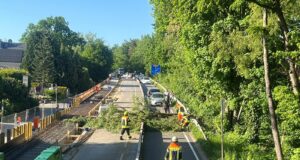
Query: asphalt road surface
{"points": [[106, 145], [156, 143]]}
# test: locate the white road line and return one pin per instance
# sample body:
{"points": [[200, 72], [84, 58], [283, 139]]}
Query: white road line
{"points": [[125, 148], [122, 155], [192, 148]]}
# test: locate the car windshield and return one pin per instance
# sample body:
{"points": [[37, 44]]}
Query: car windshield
{"points": [[158, 96], [154, 90], [146, 78]]}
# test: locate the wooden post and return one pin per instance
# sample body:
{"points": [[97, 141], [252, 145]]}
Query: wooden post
{"points": [[26, 131], [29, 130], [44, 123], [14, 133]]}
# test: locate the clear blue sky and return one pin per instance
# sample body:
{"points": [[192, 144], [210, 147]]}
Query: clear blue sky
{"points": [[112, 20]]}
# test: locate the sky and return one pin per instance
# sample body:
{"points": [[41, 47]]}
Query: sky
{"points": [[114, 21]]}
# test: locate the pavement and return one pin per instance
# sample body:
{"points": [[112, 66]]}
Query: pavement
{"points": [[106, 145], [156, 143], [128, 90]]}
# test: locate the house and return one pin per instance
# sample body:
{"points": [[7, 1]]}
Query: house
{"points": [[11, 54]]}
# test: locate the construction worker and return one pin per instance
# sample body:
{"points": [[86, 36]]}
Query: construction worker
{"points": [[125, 127], [180, 115], [167, 102], [185, 121], [174, 151]]}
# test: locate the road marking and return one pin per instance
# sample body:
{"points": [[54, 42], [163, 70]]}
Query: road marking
{"points": [[192, 148], [122, 155], [125, 148]]}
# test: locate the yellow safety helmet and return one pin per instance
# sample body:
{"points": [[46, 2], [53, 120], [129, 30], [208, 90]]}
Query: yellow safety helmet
{"points": [[126, 113]]}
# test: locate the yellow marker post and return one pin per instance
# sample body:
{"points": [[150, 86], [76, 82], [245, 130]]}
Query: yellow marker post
{"points": [[30, 129], [26, 131]]}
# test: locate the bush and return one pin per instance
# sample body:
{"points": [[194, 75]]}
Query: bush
{"points": [[13, 73], [61, 93]]}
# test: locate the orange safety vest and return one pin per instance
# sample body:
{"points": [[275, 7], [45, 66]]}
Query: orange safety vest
{"points": [[124, 122], [180, 116], [174, 151]]}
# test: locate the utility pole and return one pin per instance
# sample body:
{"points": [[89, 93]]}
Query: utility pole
{"points": [[222, 135]]}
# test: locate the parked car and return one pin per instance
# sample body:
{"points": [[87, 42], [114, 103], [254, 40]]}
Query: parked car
{"points": [[146, 80], [151, 91], [157, 99]]}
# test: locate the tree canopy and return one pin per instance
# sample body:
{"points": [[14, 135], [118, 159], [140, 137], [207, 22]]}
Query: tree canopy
{"points": [[56, 54], [210, 50]]}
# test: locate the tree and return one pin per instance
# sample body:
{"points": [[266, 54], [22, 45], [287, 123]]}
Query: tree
{"points": [[63, 44], [122, 54], [43, 63], [97, 57], [276, 7], [269, 93], [15, 95]]}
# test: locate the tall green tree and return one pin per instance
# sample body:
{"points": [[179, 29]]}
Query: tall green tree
{"points": [[278, 7], [63, 43], [122, 54], [97, 57], [43, 70], [269, 95]]}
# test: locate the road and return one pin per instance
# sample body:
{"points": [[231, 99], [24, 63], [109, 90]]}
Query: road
{"points": [[107, 145], [156, 143], [126, 92]]}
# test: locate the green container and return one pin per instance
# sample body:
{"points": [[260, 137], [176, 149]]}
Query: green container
{"points": [[44, 156], [1, 156], [51, 153]]}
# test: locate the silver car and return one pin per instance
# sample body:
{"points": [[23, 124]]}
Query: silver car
{"points": [[146, 80], [157, 99]]}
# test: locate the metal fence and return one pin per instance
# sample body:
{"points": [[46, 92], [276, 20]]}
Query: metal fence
{"points": [[12, 120]]}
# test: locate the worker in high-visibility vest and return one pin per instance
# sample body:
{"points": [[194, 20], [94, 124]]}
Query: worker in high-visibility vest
{"points": [[185, 121], [125, 125], [180, 115], [174, 150]]}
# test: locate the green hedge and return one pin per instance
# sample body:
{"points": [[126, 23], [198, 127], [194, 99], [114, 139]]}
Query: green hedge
{"points": [[14, 73], [61, 93]]}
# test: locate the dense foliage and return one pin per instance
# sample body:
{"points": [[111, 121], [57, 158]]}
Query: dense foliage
{"points": [[14, 96], [57, 55], [211, 50]]}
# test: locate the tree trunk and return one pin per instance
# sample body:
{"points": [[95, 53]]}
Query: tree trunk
{"points": [[285, 30], [269, 94]]}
